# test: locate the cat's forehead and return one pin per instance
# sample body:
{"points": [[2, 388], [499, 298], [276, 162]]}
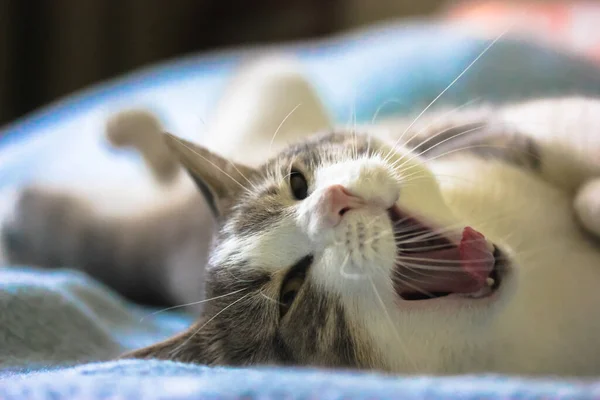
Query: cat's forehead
{"points": [[322, 148]]}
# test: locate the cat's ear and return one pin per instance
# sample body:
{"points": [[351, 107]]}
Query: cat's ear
{"points": [[219, 179], [188, 346]]}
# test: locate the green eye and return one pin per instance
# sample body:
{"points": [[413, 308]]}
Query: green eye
{"points": [[298, 184]]}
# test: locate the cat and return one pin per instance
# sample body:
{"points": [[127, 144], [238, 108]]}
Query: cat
{"points": [[460, 241]]}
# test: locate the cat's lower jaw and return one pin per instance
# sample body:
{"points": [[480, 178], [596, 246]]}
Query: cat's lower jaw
{"points": [[490, 292], [433, 267]]}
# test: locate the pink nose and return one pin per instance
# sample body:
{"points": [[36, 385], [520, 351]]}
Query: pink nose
{"points": [[336, 201]]}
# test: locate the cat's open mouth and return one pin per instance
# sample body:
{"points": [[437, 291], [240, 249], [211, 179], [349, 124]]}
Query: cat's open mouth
{"points": [[430, 266]]}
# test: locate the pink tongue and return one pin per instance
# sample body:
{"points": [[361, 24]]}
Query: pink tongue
{"points": [[477, 259], [462, 269]]}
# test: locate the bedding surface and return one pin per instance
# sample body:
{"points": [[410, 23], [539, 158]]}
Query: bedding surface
{"points": [[59, 330], [52, 319]]}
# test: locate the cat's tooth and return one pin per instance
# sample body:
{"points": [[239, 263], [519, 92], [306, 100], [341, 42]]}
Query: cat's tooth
{"points": [[490, 281], [490, 246]]}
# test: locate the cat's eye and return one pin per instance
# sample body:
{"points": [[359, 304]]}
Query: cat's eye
{"points": [[289, 291], [292, 283], [298, 184]]}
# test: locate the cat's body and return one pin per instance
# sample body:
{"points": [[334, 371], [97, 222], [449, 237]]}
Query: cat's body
{"points": [[525, 176]]}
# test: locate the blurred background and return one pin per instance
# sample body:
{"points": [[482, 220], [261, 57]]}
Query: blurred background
{"points": [[50, 48]]}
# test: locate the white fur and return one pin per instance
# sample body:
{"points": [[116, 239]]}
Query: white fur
{"points": [[587, 206], [544, 318], [267, 97]]}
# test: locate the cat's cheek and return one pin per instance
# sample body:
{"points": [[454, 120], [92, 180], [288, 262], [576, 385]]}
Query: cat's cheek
{"points": [[341, 270]]}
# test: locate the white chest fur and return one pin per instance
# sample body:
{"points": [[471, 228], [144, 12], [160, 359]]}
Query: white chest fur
{"points": [[550, 323]]}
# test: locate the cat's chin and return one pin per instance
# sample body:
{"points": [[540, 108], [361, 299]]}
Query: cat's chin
{"points": [[432, 268]]}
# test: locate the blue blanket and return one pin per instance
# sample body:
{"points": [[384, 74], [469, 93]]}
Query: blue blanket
{"points": [[50, 320], [60, 329]]}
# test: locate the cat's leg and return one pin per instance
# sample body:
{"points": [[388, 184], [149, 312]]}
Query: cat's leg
{"points": [[159, 256], [131, 252], [566, 136], [142, 131], [566, 133], [134, 255], [269, 104], [587, 206], [453, 132], [58, 228], [559, 139]]}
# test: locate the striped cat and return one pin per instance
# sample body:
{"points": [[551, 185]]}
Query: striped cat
{"points": [[460, 241]]}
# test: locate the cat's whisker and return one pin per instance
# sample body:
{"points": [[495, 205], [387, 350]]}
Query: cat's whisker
{"points": [[382, 234], [404, 235], [405, 279], [191, 304], [281, 125], [269, 298], [446, 129], [347, 275], [382, 105], [415, 156], [402, 232], [481, 54], [441, 118], [237, 278], [181, 142], [243, 176], [368, 152], [351, 126], [211, 319], [441, 265], [395, 223], [392, 325], [406, 178], [437, 176], [289, 168], [384, 215], [411, 282], [427, 233], [428, 248], [414, 268], [489, 146], [419, 237]]}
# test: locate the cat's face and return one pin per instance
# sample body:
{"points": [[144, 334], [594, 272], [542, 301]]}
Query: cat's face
{"points": [[339, 252]]}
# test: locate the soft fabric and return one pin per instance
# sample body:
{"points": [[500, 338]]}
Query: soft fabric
{"points": [[50, 320], [62, 317], [151, 380]]}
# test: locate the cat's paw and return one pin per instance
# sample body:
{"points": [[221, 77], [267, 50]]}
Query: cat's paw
{"points": [[141, 130], [587, 206], [39, 226], [22, 214]]}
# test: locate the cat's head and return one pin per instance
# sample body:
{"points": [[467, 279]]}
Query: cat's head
{"points": [[340, 252]]}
